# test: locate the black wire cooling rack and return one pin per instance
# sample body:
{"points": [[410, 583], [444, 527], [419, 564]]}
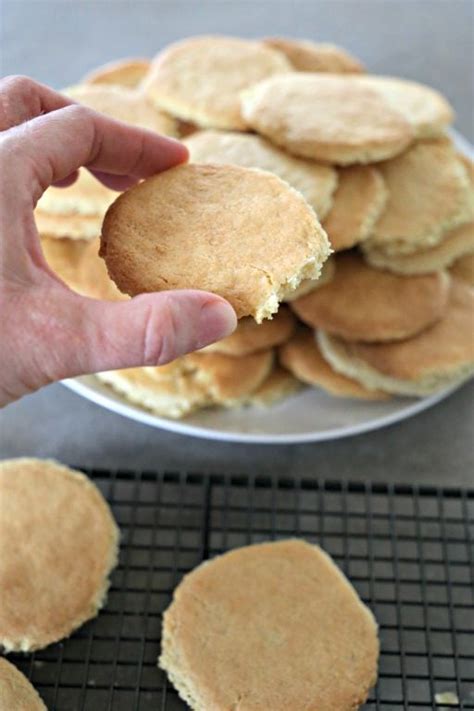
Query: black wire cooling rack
{"points": [[407, 550]]}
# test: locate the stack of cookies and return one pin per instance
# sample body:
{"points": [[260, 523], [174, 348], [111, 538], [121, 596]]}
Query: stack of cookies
{"points": [[390, 312]]}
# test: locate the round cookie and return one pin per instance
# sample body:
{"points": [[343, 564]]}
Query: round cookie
{"points": [[239, 232], [78, 264], [284, 629], [326, 117], [358, 201], [199, 78], [315, 182], [250, 337], [455, 244], [463, 269], [308, 56], [302, 357], [428, 193], [279, 385], [122, 72], [425, 108], [308, 285], [59, 543], [365, 304], [438, 357], [72, 227], [86, 197], [123, 104], [16, 692]]}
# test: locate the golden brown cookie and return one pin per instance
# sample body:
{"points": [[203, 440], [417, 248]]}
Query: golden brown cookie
{"points": [[455, 244], [241, 233], [308, 285], [123, 104], [78, 264], [366, 304], [326, 117], [358, 202], [302, 357], [308, 56], [425, 108], [199, 79], [315, 182], [438, 357], [282, 629], [277, 386], [428, 193], [16, 692], [250, 337], [127, 72], [463, 269], [59, 545]]}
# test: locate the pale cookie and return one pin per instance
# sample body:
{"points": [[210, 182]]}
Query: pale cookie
{"points": [[239, 232], [315, 182], [250, 337], [463, 269], [59, 545], [456, 243], [122, 72], [279, 385], [425, 108], [429, 192], [308, 285], [269, 626], [326, 117], [86, 197], [358, 201], [16, 692], [365, 304], [192, 382], [308, 56], [440, 356], [199, 78], [302, 357], [123, 104], [73, 226], [78, 264]]}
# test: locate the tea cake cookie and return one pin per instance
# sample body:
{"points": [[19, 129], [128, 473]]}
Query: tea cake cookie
{"points": [[16, 692], [250, 337], [455, 244], [357, 203], [308, 56], [123, 104], [302, 357], [86, 197], [425, 108], [438, 357], [327, 117], [279, 385], [73, 227], [283, 629], [463, 269], [327, 273], [78, 264], [239, 232], [127, 72], [429, 192], [199, 79], [315, 182], [59, 543], [366, 304]]}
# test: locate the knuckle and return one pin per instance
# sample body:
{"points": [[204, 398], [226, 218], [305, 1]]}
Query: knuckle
{"points": [[159, 334], [17, 84]]}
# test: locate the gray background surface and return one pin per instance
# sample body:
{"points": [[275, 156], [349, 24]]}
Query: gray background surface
{"points": [[428, 40]]}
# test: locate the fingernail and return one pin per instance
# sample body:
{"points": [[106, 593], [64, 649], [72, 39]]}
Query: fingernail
{"points": [[217, 320]]}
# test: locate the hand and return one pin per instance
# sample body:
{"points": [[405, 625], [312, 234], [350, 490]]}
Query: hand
{"points": [[47, 331]]}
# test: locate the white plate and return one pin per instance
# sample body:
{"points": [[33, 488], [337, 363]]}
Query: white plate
{"points": [[309, 416]]}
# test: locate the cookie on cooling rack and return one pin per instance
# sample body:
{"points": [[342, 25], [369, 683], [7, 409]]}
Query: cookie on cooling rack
{"points": [[284, 629], [59, 545], [16, 692]]}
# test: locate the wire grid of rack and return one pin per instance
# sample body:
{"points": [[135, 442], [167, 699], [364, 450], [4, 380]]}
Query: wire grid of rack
{"points": [[407, 550]]}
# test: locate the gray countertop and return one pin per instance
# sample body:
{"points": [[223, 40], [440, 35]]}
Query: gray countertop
{"points": [[429, 40]]}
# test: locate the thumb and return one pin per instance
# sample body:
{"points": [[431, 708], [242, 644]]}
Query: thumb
{"points": [[151, 329]]}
